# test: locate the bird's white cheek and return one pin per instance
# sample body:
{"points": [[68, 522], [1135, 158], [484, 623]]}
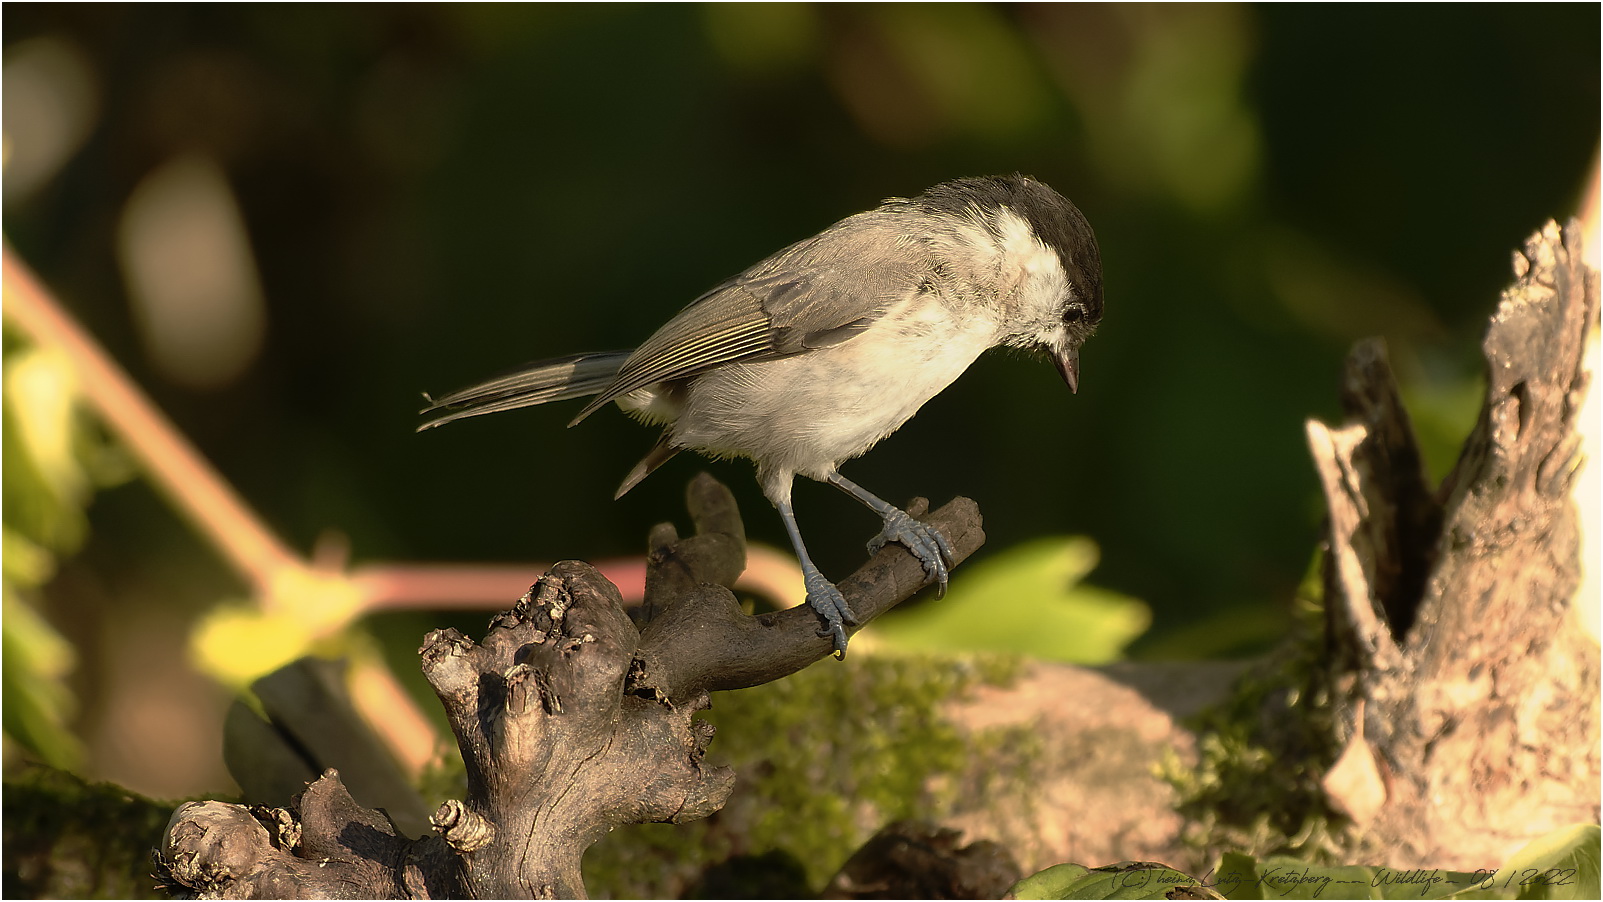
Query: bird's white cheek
{"points": [[1039, 283]]}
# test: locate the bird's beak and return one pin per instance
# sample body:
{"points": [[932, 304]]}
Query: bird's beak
{"points": [[1068, 363]]}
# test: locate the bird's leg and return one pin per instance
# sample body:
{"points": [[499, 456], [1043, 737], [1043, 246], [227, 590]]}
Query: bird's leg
{"points": [[925, 541], [821, 593]]}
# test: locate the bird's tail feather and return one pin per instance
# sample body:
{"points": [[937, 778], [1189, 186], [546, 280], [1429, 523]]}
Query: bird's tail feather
{"points": [[659, 454], [549, 380]]}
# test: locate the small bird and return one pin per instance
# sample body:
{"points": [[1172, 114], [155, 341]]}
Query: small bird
{"points": [[810, 357]]}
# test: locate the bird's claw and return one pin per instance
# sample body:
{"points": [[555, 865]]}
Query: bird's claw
{"points": [[830, 605], [923, 540]]}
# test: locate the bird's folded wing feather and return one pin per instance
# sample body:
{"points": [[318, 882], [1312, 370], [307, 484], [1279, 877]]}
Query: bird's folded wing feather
{"points": [[818, 293]]}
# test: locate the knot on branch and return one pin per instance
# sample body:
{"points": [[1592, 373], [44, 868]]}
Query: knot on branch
{"points": [[463, 828], [324, 845]]}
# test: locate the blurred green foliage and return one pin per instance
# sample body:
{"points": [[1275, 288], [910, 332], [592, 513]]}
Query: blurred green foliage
{"points": [[1028, 600], [54, 459]]}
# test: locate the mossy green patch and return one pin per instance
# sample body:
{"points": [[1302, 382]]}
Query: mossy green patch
{"points": [[1263, 753], [825, 758], [67, 838]]}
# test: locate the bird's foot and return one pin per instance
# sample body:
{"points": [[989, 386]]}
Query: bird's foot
{"points": [[925, 541], [831, 606]]}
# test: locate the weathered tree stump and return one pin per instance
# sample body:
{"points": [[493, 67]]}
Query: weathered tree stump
{"points": [[1464, 682], [571, 720]]}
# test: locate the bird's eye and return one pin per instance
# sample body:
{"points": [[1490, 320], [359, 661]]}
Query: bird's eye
{"points": [[1073, 314]]}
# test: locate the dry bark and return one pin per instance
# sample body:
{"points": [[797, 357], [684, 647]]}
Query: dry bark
{"points": [[1465, 686]]}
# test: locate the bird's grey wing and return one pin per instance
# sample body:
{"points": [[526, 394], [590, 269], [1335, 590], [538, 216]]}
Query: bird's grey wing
{"points": [[811, 295]]}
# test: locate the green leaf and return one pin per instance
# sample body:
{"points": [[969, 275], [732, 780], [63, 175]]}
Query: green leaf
{"points": [[1563, 864], [1129, 880], [1056, 882], [1291, 878], [1279, 877], [1027, 599], [1236, 877]]}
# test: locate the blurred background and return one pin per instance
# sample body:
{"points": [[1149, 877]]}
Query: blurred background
{"points": [[287, 221]]}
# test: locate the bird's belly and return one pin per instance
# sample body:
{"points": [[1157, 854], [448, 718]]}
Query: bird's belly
{"points": [[807, 413]]}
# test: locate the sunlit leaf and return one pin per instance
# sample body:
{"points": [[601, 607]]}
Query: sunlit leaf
{"points": [[45, 485], [237, 642], [1028, 599], [1563, 864]]}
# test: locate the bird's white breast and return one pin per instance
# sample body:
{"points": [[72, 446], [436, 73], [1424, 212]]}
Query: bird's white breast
{"points": [[807, 413]]}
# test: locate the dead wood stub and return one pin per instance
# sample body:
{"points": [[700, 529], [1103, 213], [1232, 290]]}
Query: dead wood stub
{"points": [[1465, 686]]}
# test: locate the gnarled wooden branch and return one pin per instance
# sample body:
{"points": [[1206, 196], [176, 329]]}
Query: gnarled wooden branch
{"points": [[701, 640], [571, 720]]}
